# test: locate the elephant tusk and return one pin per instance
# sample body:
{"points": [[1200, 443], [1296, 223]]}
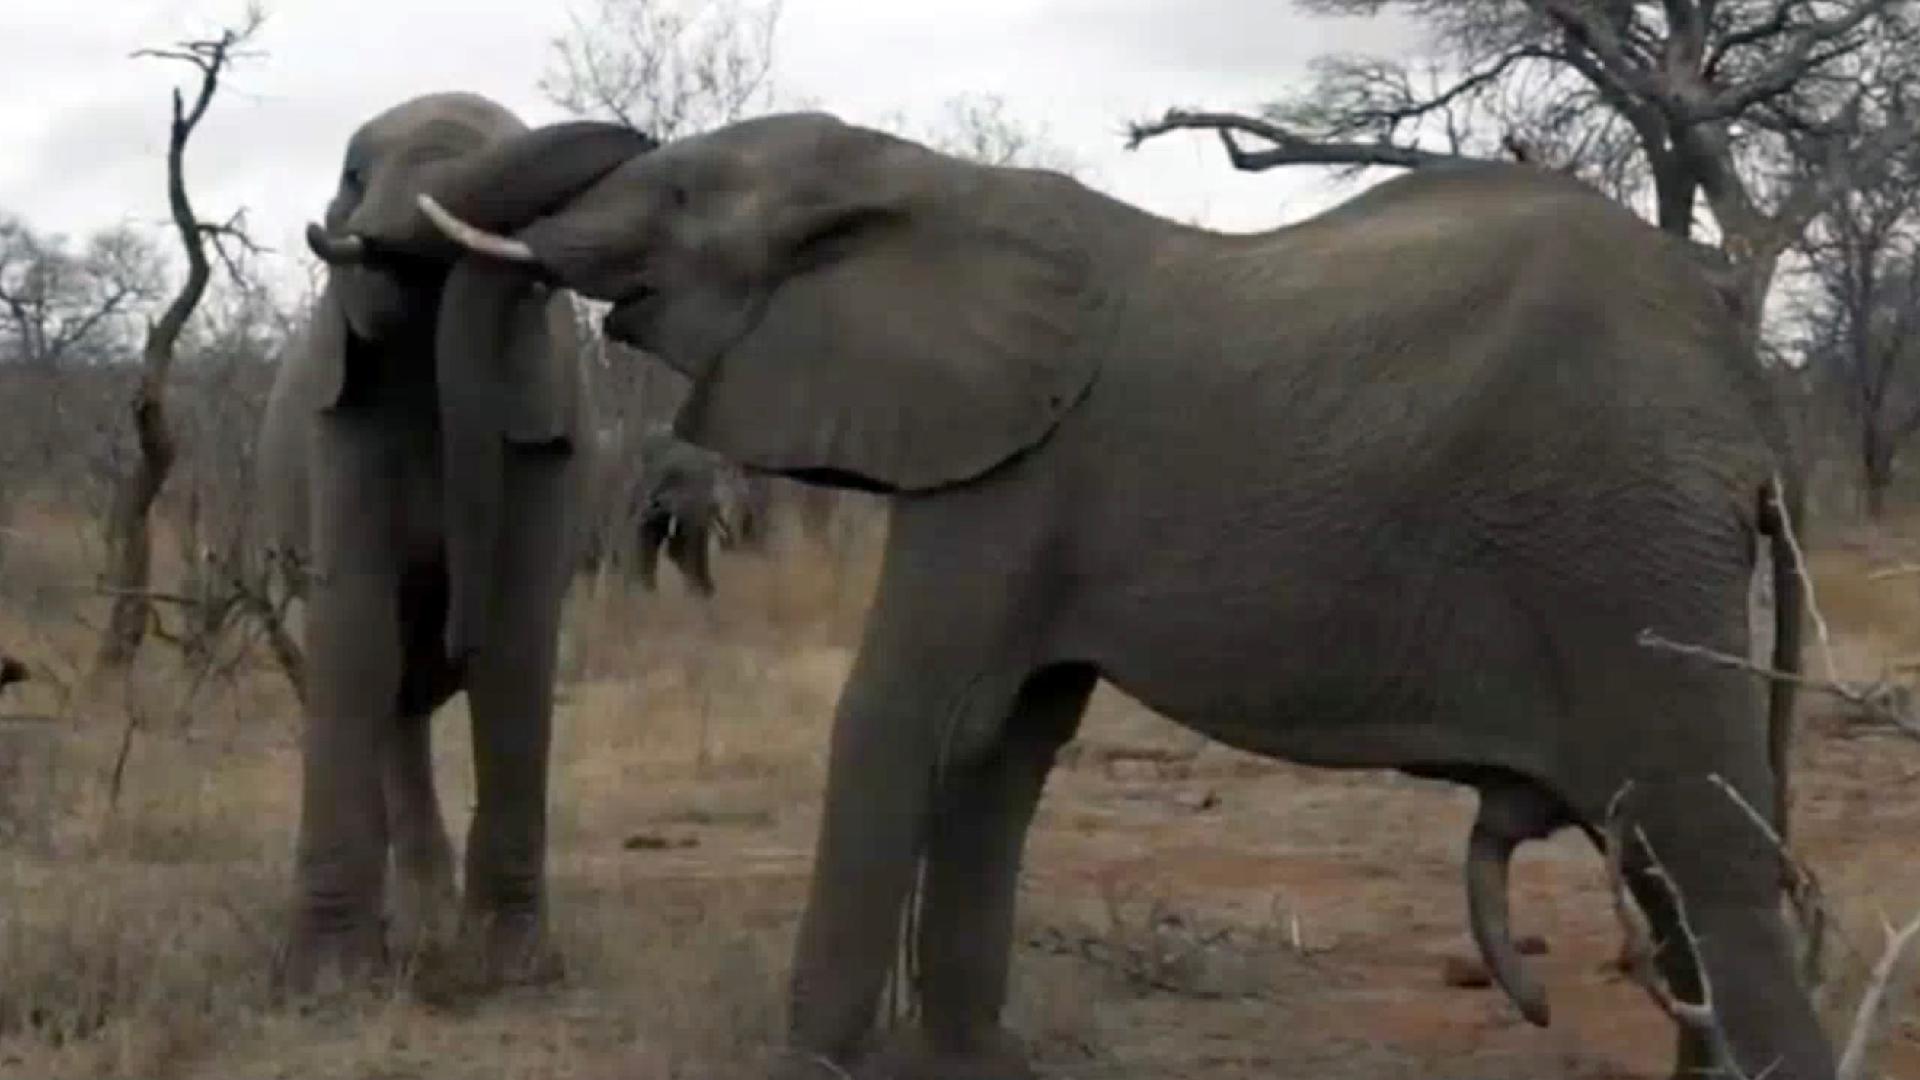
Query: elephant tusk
{"points": [[474, 239], [335, 250], [1488, 853]]}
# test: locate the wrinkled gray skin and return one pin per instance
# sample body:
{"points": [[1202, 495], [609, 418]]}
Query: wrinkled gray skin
{"points": [[1423, 468], [419, 459]]}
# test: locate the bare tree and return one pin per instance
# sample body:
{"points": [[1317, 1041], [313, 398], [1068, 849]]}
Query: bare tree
{"points": [[1863, 316], [129, 540], [666, 67], [59, 306], [1764, 109], [979, 127]]}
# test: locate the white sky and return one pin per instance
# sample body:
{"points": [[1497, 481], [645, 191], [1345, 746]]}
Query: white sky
{"points": [[83, 126]]}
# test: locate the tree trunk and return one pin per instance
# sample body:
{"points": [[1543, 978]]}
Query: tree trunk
{"points": [[1876, 471], [129, 532]]}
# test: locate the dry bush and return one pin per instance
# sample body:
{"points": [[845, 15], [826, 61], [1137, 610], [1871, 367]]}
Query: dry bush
{"points": [[140, 916]]}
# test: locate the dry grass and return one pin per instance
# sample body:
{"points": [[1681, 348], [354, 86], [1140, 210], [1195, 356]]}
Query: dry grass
{"points": [[1188, 911]]}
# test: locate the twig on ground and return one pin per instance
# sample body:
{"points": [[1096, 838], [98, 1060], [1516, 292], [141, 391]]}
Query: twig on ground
{"points": [[1870, 1019]]}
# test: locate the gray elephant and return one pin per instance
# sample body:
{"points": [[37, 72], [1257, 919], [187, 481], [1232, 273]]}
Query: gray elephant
{"points": [[419, 464], [1426, 468], [661, 492]]}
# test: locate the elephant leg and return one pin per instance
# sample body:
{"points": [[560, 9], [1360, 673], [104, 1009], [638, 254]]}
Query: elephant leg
{"points": [[1724, 872], [965, 932], [423, 893], [689, 550], [510, 696], [653, 534], [928, 693], [353, 658]]}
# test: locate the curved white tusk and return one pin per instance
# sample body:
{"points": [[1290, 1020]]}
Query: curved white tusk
{"points": [[475, 239]]}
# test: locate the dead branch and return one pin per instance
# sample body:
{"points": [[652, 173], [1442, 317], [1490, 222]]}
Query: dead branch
{"points": [[1642, 950], [129, 540], [1881, 701], [1289, 147], [1870, 1018]]}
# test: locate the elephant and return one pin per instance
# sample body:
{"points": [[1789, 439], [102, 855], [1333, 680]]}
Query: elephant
{"points": [[678, 497], [420, 472], [1425, 470]]}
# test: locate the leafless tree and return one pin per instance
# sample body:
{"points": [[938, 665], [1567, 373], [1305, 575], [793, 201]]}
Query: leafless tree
{"points": [[60, 306], [665, 67], [1862, 316], [129, 540], [980, 128], [1765, 109]]}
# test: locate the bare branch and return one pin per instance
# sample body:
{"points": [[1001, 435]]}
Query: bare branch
{"points": [[1870, 1018], [666, 67], [1882, 701], [1288, 148], [130, 554], [1642, 949]]}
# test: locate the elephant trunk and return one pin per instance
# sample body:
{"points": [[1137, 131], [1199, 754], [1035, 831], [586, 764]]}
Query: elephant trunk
{"points": [[469, 356], [1489, 851], [350, 250], [547, 167]]}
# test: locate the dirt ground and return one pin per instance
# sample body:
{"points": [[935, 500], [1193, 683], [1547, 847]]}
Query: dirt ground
{"points": [[1188, 911]]}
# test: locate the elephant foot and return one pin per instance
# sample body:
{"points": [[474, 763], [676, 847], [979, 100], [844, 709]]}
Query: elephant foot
{"points": [[324, 963], [424, 916], [910, 1055], [513, 950], [483, 956]]}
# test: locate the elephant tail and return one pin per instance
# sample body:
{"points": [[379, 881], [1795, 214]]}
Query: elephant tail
{"points": [[1782, 517]]}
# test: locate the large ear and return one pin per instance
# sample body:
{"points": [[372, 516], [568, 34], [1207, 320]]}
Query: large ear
{"points": [[326, 349], [508, 382], [936, 319]]}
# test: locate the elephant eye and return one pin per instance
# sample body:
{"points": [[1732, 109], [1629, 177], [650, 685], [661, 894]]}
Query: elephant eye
{"points": [[351, 179]]}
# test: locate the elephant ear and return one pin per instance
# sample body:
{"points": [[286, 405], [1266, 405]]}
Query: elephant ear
{"points": [[936, 319], [326, 350]]}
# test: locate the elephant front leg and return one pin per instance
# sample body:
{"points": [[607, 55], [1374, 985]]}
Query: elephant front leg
{"points": [[510, 696], [353, 680], [903, 711], [965, 932], [424, 893]]}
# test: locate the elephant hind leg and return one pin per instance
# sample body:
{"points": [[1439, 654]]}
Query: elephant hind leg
{"points": [[1704, 874]]}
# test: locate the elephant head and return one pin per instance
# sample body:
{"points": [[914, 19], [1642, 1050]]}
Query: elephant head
{"points": [[841, 319], [396, 289]]}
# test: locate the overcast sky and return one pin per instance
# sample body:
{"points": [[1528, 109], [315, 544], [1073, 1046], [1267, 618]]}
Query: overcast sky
{"points": [[83, 126]]}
